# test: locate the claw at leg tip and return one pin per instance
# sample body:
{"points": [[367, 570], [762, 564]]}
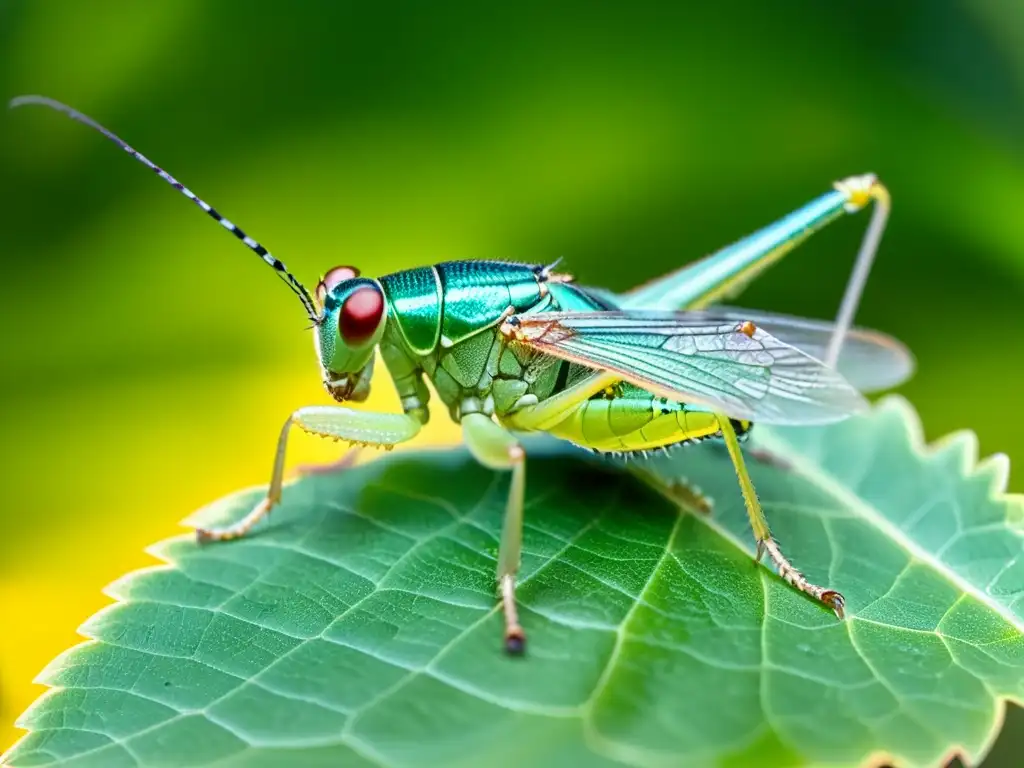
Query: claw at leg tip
{"points": [[836, 602], [515, 641]]}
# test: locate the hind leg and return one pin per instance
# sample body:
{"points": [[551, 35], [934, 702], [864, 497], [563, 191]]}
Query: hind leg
{"points": [[759, 524]]}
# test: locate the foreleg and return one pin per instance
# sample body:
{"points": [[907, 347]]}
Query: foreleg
{"points": [[364, 428]]}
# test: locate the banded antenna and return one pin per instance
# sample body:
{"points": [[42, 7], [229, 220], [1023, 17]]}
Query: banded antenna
{"points": [[255, 247]]}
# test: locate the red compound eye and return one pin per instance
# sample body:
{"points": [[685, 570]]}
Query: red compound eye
{"points": [[331, 280], [360, 315]]}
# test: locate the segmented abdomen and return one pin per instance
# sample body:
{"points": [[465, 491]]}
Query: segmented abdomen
{"points": [[627, 419]]}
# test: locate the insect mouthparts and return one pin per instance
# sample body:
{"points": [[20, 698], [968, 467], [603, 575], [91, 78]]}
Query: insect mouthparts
{"points": [[339, 389]]}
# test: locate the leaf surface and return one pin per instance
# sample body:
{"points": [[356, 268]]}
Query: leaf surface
{"points": [[359, 626]]}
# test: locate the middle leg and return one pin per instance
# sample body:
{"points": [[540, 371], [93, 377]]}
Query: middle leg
{"points": [[496, 448]]}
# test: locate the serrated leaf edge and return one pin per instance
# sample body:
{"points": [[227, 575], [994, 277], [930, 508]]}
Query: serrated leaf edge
{"points": [[997, 468]]}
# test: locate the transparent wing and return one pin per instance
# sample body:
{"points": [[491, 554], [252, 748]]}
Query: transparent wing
{"points": [[870, 360], [696, 357]]}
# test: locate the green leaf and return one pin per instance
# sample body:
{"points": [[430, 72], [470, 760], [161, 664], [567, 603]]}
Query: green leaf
{"points": [[359, 626]]}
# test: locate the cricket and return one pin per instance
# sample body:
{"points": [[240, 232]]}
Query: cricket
{"points": [[512, 348]]}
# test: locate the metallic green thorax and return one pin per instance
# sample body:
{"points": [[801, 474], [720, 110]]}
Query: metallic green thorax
{"points": [[443, 323]]}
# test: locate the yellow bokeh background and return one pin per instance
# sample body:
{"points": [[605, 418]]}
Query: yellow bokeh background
{"points": [[148, 360]]}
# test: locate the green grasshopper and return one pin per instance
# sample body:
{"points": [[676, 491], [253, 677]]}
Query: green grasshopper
{"points": [[517, 348]]}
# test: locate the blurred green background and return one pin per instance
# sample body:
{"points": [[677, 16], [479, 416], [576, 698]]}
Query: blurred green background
{"points": [[148, 360]]}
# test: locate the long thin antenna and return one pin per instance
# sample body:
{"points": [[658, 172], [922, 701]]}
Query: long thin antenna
{"points": [[259, 250], [861, 267]]}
